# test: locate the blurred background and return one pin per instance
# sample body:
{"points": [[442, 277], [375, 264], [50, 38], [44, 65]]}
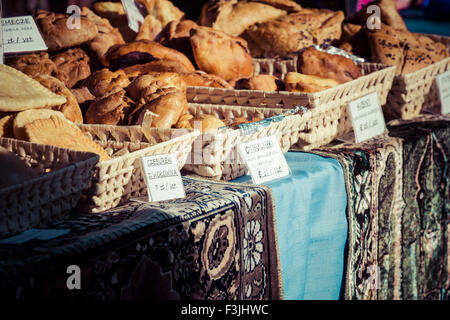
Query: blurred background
{"points": [[424, 16]]}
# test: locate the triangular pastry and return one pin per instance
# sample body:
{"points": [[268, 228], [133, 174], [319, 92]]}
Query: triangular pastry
{"points": [[60, 133], [19, 92]]}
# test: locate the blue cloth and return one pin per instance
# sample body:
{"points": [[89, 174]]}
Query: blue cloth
{"points": [[35, 234], [311, 226]]}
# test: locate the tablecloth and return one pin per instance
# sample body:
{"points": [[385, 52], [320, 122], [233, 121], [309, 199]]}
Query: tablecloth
{"points": [[217, 243], [311, 225], [398, 211]]}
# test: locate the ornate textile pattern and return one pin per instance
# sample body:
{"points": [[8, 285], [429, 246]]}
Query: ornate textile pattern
{"points": [[217, 243], [398, 212]]}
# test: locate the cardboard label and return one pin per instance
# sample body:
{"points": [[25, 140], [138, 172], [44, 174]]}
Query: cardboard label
{"points": [[21, 34], [134, 16], [264, 159], [443, 82], [367, 117], [163, 178]]}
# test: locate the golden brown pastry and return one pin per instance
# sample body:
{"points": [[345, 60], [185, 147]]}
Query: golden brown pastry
{"points": [[107, 37], [103, 81], [297, 82], [293, 32], [82, 94], [325, 65], [149, 83], [75, 64], [207, 123], [58, 36], [61, 133], [389, 15], [176, 35], [70, 108], [163, 10], [142, 51], [113, 108], [13, 170], [155, 66], [263, 82], [115, 14], [203, 79], [6, 126], [216, 52], [233, 123], [28, 116], [386, 49], [234, 16], [149, 28]]}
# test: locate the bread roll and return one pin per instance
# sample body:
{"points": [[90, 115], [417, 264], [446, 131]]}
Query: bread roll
{"points": [[297, 82]]}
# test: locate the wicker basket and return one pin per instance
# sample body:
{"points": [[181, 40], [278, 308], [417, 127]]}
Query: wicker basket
{"points": [[41, 201], [415, 92], [119, 179], [329, 108], [215, 155]]}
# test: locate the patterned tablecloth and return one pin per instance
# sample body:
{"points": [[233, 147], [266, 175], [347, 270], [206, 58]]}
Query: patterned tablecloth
{"points": [[398, 211], [217, 243]]}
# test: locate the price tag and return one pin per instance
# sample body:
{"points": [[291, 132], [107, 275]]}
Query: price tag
{"points": [[367, 117], [21, 34], [443, 81], [264, 159], [134, 16], [163, 178]]}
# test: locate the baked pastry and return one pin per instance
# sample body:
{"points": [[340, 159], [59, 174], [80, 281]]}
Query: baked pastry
{"points": [[149, 28], [263, 82], [235, 122], [115, 14], [60, 133], [389, 15], [207, 123], [113, 108], [82, 94], [163, 10], [6, 126], [28, 116], [326, 65], [13, 170], [203, 79], [103, 81], [19, 92], [155, 66], [234, 16], [293, 32], [297, 82], [216, 52], [354, 40], [70, 108], [107, 37], [176, 35], [58, 36], [386, 49], [75, 64], [149, 83], [142, 51], [34, 64]]}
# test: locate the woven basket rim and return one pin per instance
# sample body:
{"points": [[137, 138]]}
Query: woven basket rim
{"points": [[90, 157]]}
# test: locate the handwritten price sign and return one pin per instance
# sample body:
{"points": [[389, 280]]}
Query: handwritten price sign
{"points": [[443, 81], [21, 34]]}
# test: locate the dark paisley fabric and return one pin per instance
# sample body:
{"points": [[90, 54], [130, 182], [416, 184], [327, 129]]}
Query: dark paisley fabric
{"points": [[398, 212], [217, 243]]}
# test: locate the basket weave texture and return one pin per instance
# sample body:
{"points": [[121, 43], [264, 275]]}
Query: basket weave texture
{"points": [[62, 176], [415, 92], [118, 180], [214, 155], [329, 108]]}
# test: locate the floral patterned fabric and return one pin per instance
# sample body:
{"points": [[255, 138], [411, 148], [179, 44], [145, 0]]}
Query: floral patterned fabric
{"points": [[398, 211], [217, 243]]}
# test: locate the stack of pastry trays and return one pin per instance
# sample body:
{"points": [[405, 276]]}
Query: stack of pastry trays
{"points": [[214, 155], [415, 92], [121, 178], [62, 176], [329, 108]]}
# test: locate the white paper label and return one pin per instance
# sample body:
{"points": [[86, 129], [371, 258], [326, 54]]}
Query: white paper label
{"points": [[134, 16], [443, 81], [21, 34], [163, 178], [264, 159], [367, 117]]}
